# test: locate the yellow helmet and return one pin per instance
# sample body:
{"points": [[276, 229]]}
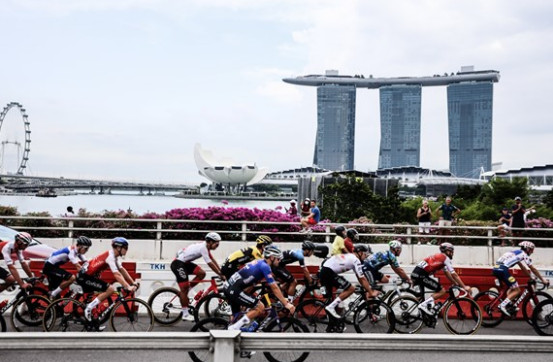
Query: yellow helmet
{"points": [[263, 240]]}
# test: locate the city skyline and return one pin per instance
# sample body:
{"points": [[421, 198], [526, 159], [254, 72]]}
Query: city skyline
{"points": [[123, 90]]}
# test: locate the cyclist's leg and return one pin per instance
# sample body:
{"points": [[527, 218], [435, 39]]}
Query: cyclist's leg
{"points": [[199, 275], [91, 284], [180, 270], [7, 277], [287, 280], [238, 298], [503, 274], [58, 279]]}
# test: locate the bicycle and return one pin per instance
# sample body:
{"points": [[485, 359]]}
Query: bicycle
{"points": [[166, 305], [490, 300], [27, 309], [367, 315], [542, 318], [271, 322], [123, 311]]}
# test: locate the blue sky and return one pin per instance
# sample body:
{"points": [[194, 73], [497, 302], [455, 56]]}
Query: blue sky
{"points": [[124, 89]]}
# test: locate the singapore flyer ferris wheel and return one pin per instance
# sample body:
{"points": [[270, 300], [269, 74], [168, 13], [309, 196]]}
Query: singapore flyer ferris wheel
{"points": [[25, 144]]}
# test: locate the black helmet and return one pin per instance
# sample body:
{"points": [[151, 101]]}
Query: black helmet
{"points": [[361, 248], [83, 241], [339, 230], [352, 234], [307, 245]]}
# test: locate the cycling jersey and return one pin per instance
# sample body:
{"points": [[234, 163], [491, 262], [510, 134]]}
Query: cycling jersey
{"points": [[253, 273], [103, 261], [436, 262], [193, 252], [243, 256], [344, 262], [66, 254], [380, 259], [291, 256], [8, 250], [511, 258]]}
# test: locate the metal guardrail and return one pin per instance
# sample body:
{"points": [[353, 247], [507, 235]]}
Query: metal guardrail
{"points": [[226, 345]]}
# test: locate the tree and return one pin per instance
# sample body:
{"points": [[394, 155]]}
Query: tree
{"points": [[548, 199], [500, 192]]}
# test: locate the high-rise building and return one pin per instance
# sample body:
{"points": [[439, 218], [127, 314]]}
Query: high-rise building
{"points": [[470, 128], [400, 126], [335, 141]]}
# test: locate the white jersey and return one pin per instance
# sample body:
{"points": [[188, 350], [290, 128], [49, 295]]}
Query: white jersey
{"points": [[193, 252], [511, 258], [7, 252], [62, 256], [344, 262]]}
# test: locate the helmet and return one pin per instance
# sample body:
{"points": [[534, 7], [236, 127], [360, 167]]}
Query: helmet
{"points": [[339, 230], [120, 241], [292, 201], [23, 238], [395, 244], [83, 241], [213, 237], [272, 251], [361, 248], [352, 234], [307, 245], [446, 246], [527, 245], [263, 240]]}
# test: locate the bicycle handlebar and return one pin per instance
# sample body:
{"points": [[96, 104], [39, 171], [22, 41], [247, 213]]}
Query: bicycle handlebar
{"points": [[462, 293]]}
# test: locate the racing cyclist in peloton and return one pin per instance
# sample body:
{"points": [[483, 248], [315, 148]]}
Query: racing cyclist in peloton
{"points": [[58, 278], [378, 260], [240, 257], [20, 243], [183, 266], [501, 271], [338, 264], [430, 265], [285, 277]]}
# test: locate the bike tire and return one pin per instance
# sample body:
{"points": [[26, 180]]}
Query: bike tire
{"points": [[374, 316], [408, 318], [64, 315], [312, 314], [542, 318], [131, 315], [166, 306], [27, 313], [205, 325], [462, 316], [3, 327], [489, 301], [286, 325], [530, 302], [213, 305]]}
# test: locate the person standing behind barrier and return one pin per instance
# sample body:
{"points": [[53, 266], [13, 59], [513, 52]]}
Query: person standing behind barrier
{"points": [[293, 210], [312, 219], [517, 219], [449, 211], [504, 224], [424, 213]]}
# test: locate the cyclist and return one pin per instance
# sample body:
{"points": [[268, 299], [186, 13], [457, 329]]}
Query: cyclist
{"points": [[21, 241], [58, 278], [251, 274], [352, 236], [245, 255], [430, 265], [375, 262], [338, 264], [338, 245], [183, 266], [88, 276], [290, 256], [508, 260]]}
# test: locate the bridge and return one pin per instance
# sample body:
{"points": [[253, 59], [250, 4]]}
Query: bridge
{"points": [[21, 183]]}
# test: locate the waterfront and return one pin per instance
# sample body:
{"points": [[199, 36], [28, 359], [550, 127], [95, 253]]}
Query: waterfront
{"points": [[139, 204]]}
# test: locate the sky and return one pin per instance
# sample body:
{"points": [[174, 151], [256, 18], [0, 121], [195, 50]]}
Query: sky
{"points": [[123, 90]]}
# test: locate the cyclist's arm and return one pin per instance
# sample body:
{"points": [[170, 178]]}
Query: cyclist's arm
{"points": [[27, 269], [123, 277], [402, 274], [215, 267], [538, 274], [278, 294], [16, 276], [454, 278], [307, 275]]}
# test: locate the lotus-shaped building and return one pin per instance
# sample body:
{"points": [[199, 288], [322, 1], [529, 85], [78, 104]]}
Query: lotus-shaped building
{"points": [[225, 170]]}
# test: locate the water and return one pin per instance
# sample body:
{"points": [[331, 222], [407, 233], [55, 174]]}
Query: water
{"points": [[139, 204]]}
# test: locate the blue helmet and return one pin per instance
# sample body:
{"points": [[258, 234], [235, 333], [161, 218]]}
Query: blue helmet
{"points": [[120, 241]]}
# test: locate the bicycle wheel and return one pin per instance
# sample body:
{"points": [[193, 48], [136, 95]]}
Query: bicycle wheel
{"points": [[542, 318], [205, 325], [213, 305], [166, 305], [286, 325], [374, 316], [407, 315], [131, 315], [2, 324], [27, 313], [462, 316], [489, 303], [312, 313], [64, 315], [530, 302]]}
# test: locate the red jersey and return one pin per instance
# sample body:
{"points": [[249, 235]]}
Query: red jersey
{"points": [[102, 262], [435, 262]]}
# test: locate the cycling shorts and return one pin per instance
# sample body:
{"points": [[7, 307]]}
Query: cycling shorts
{"points": [[237, 298], [372, 275], [421, 278], [228, 269], [502, 273], [282, 274], [330, 279], [91, 284], [55, 274], [182, 269], [4, 274]]}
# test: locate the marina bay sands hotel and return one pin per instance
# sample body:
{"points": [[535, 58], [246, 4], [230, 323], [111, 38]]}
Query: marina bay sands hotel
{"points": [[469, 103]]}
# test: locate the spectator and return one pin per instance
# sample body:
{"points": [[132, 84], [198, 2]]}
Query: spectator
{"points": [[70, 212], [424, 213], [449, 212], [504, 222], [312, 219], [293, 210], [517, 217], [305, 208]]}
